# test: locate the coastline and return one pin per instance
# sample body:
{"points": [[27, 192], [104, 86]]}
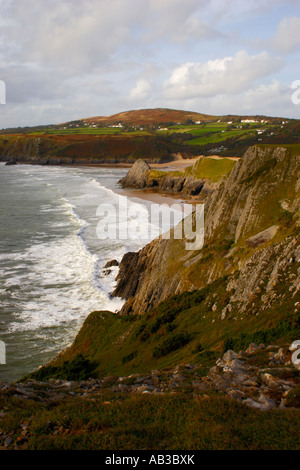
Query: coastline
{"points": [[156, 196]]}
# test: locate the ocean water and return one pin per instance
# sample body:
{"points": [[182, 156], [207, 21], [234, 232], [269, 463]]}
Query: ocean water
{"points": [[52, 259]]}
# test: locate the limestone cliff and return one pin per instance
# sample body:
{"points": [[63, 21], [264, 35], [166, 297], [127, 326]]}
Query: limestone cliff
{"points": [[137, 175], [140, 176], [56, 149], [251, 238]]}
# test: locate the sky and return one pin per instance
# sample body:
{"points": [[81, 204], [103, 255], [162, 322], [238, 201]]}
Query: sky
{"points": [[62, 60]]}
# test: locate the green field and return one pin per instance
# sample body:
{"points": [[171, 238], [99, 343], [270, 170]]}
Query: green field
{"points": [[89, 131], [215, 137]]}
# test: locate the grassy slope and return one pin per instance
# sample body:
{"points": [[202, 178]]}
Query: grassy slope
{"points": [[211, 169], [205, 168], [125, 345], [171, 422]]}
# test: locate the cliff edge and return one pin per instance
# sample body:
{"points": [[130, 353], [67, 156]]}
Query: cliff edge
{"points": [[202, 178], [251, 237]]}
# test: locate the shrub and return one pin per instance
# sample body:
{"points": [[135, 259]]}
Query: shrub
{"points": [[172, 343], [80, 368], [129, 358], [198, 348], [288, 329]]}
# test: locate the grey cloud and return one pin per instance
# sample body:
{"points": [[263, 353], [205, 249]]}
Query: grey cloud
{"points": [[287, 37]]}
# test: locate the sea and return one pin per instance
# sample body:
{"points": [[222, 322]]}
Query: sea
{"points": [[53, 252]]}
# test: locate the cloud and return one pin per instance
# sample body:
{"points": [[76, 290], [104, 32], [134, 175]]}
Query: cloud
{"points": [[75, 36], [63, 59], [271, 99], [287, 36], [141, 91], [178, 21], [228, 75], [232, 10]]}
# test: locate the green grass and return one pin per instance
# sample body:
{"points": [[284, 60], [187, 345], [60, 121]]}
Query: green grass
{"points": [[89, 131], [210, 168], [220, 136], [170, 422], [294, 149], [286, 329]]}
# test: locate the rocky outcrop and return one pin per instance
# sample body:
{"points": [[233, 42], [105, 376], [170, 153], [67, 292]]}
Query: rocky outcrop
{"points": [[259, 202], [236, 375], [262, 237], [135, 283], [140, 176], [239, 376], [13, 161], [137, 175], [111, 263]]}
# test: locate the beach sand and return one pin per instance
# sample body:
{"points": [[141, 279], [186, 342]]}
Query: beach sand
{"points": [[156, 197]]}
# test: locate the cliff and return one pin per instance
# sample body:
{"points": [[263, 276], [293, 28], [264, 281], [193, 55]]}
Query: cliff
{"points": [[83, 149], [201, 178], [185, 309], [251, 225]]}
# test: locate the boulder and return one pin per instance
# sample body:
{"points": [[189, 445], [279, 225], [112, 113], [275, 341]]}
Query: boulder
{"points": [[111, 263], [252, 348], [136, 176], [229, 356], [262, 237]]}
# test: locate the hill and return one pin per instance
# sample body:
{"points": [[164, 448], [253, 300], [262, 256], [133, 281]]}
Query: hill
{"points": [[156, 116], [155, 135]]}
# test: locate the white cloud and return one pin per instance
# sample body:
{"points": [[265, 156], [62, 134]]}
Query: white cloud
{"points": [[271, 99], [227, 75], [141, 91]]}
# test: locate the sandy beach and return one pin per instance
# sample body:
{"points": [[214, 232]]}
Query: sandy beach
{"points": [[155, 196], [177, 164]]}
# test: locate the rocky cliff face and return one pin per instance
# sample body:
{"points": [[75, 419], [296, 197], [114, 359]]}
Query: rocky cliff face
{"points": [[251, 238], [137, 175], [81, 149]]}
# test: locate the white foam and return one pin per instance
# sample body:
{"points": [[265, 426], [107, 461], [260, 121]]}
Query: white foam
{"points": [[62, 283]]}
